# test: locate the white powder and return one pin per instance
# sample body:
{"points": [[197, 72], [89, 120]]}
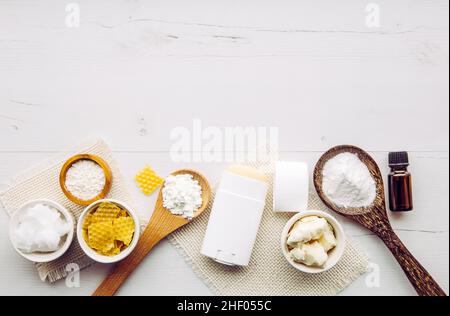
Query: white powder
{"points": [[85, 179], [182, 195], [348, 182]]}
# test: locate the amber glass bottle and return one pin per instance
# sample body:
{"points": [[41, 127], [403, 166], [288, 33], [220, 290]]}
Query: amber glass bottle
{"points": [[400, 183]]}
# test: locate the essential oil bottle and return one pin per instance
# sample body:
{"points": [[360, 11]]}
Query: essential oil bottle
{"points": [[400, 183]]}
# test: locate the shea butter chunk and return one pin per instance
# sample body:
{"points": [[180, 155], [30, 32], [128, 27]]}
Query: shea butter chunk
{"points": [[328, 240], [310, 228], [314, 254]]}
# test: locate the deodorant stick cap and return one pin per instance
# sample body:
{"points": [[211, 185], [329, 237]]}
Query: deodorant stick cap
{"points": [[291, 186]]}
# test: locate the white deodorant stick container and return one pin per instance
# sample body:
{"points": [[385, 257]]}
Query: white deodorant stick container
{"points": [[236, 216], [290, 186]]}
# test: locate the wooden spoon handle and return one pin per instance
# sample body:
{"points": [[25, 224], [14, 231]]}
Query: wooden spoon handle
{"points": [[419, 277], [123, 269]]}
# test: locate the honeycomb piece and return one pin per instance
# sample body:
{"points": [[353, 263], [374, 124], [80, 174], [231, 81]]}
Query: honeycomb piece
{"points": [[124, 230], [123, 213], [118, 245], [85, 233], [106, 212], [148, 181], [87, 221], [101, 236]]}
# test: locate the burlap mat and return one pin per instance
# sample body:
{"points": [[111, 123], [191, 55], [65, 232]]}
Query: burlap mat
{"points": [[43, 182], [269, 274]]}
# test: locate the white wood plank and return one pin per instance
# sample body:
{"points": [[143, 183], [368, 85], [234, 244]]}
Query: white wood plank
{"points": [[168, 66], [135, 70]]}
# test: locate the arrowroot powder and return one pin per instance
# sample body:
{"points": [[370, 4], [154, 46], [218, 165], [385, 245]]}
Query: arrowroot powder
{"points": [[347, 181], [182, 195], [85, 179]]}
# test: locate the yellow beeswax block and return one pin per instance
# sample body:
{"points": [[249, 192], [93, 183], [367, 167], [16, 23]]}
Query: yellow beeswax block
{"points": [[106, 212], [101, 236], [148, 181], [124, 229], [108, 229]]}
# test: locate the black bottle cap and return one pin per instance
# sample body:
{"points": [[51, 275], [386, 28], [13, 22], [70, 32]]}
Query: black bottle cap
{"points": [[398, 159]]}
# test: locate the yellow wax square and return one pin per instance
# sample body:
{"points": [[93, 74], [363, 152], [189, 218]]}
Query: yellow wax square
{"points": [[148, 181]]}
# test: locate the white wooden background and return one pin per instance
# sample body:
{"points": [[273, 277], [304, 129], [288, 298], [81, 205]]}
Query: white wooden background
{"points": [[134, 70]]}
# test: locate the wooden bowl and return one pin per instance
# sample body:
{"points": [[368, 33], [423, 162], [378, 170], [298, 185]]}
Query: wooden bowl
{"points": [[97, 160]]}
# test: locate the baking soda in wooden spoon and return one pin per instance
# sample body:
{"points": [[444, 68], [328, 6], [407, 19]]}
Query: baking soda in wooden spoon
{"points": [[348, 182]]}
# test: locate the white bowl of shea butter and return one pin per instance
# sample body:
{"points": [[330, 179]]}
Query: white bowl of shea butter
{"points": [[334, 255]]}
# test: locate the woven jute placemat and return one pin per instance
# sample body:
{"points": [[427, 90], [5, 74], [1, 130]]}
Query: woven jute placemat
{"points": [[269, 274], [42, 181]]}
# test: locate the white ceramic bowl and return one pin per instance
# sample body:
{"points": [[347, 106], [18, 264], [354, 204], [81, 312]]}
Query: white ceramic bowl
{"points": [[334, 255], [42, 256], [91, 252]]}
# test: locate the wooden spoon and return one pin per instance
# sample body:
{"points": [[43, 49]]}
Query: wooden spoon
{"points": [[162, 223], [374, 217]]}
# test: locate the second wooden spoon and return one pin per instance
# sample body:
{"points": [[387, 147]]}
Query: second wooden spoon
{"points": [[374, 217]]}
